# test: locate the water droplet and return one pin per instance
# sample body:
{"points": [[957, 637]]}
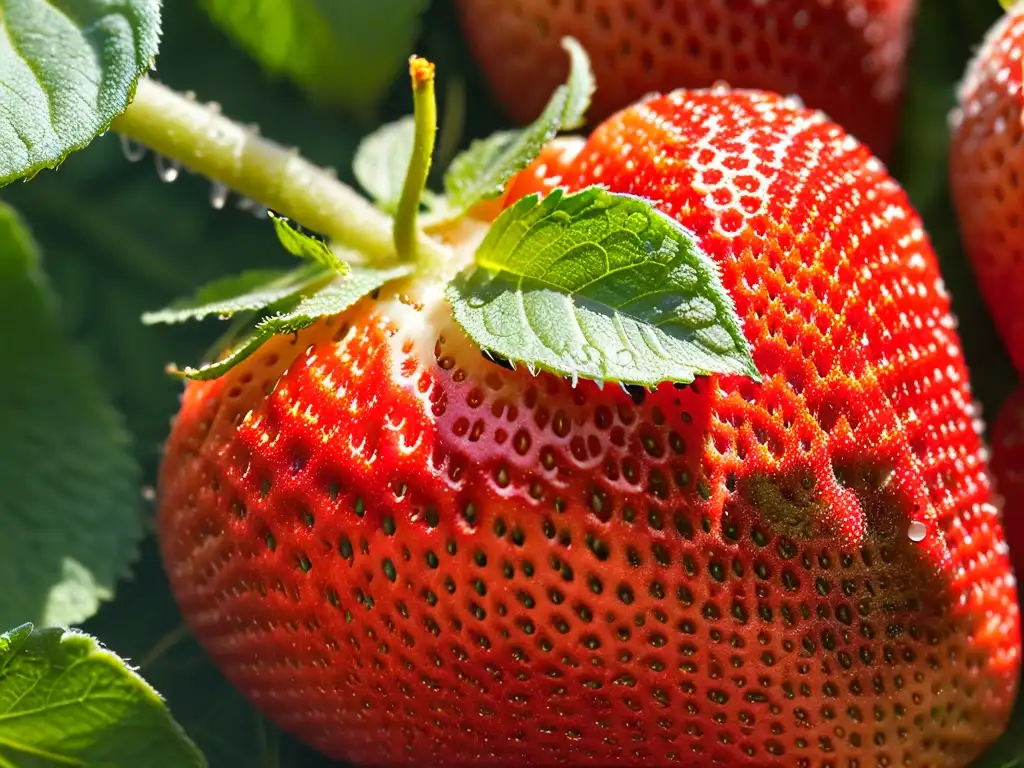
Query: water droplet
{"points": [[218, 195], [133, 151], [261, 212], [916, 531], [245, 204], [167, 170]]}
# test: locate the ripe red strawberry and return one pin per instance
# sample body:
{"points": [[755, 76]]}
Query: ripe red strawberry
{"points": [[1008, 471], [845, 57], [986, 167], [407, 554]]}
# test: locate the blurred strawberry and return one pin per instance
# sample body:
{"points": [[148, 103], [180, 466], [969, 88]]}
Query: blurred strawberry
{"points": [[986, 168], [845, 57]]}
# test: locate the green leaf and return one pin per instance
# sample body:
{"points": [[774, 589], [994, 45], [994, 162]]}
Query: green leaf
{"points": [[333, 298], [340, 52], [601, 286], [482, 170], [307, 247], [69, 497], [68, 69], [382, 161], [228, 296], [66, 701]]}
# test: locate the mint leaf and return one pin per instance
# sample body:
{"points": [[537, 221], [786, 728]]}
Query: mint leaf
{"points": [[382, 161], [342, 53], [246, 292], [601, 286], [306, 246], [66, 701], [333, 298], [69, 68], [482, 170], [69, 498]]}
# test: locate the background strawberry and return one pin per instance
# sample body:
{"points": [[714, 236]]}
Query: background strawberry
{"points": [[1008, 470], [845, 57], [986, 166], [405, 553]]}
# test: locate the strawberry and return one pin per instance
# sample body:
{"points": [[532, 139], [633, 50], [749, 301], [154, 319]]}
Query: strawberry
{"points": [[407, 552], [1008, 470], [986, 162], [844, 57]]}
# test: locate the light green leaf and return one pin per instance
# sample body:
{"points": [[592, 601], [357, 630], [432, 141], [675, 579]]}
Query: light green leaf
{"points": [[69, 493], [228, 296], [307, 247], [600, 286], [339, 51], [482, 170], [333, 298], [382, 161], [68, 68], [66, 701]]}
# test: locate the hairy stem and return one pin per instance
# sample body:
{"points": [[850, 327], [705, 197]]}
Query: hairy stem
{"points": [[421, 72], [208, 143]]}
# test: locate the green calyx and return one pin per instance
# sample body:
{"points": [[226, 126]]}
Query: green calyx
{"points": [[587, 285]]}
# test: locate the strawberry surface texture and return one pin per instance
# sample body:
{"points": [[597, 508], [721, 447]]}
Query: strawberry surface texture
{"points": [[406, 553], [845, 57], [1008, 470], [986, 168]]}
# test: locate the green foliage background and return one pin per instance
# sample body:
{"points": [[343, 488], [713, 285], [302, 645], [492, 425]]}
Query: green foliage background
{"points": [[118, 242]]}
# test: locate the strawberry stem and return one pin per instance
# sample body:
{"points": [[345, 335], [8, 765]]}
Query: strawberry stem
{"points": [[421, 72], [206, 142]]}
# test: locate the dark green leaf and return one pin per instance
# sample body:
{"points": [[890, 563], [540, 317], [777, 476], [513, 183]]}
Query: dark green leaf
{"points": [[69, 497], [483, 169], [333, 298], [228, 296], [307, 247], [600, 286], [340, 52], [382, 161], [66, 701], [68, 69]]}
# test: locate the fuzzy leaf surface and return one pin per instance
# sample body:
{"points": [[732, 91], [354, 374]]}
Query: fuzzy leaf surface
{"points": [[69, 486], [66, 701], [68, 68], [482, 170], [331, 299], [601, 286]]}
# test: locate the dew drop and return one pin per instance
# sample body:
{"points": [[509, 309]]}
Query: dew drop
{"points": [[167, 170], [133, 151], [218, 195], [917, 531]]}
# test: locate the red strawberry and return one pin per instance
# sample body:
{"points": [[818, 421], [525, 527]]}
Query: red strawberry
{"points": [[845, 57], [986, 167], [406, 554], [1008, 470]]}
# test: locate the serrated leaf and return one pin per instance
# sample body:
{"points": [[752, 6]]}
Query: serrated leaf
{"points": [[66, 701], [230, 295], [69, 498], [343, 53], [333, 298], [382, 160], [307, 247], [601, 286], [67, 70], [483, 170]]}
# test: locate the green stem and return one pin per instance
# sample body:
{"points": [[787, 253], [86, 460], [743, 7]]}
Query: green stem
{"points": [[421, 72], [210, 144]]}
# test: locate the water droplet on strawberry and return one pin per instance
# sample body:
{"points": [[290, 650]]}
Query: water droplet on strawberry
{"points": [[917, 531]]}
